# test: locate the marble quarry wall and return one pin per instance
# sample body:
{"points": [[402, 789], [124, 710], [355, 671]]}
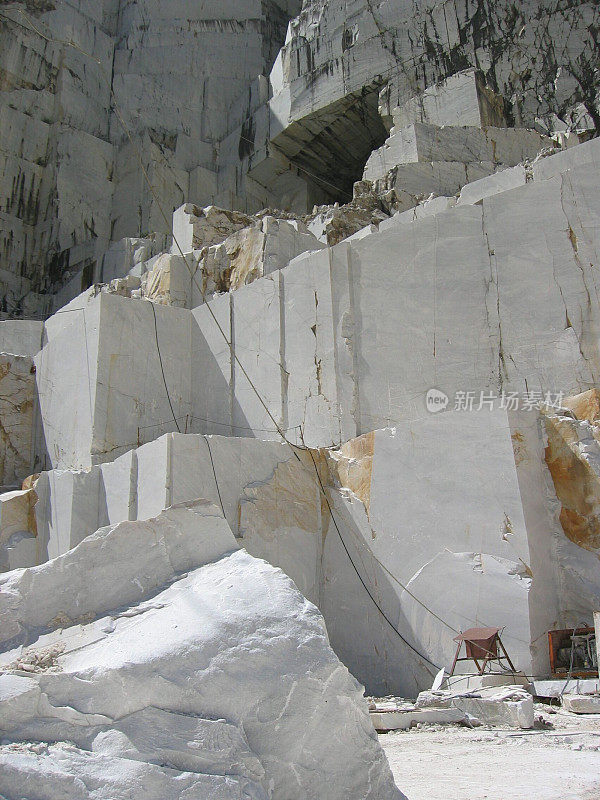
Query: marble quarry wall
{"points": [[72, 175], [348, 339], [298, 380], [55, 119], [216, 113], [347, 345], [346, 68], [491, 548]]}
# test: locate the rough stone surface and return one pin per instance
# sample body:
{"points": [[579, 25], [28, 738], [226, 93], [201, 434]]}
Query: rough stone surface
{"points": [[195, 228], [269, 244], [509, 705], [143, 676], [342, 342], [573, 458], [330, 295], [17, 394], [581, 703], [457, 277], [145, 92], [214, 114], [18, 530]]}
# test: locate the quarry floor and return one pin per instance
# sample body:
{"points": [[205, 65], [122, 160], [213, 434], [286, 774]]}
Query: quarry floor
{"points": [[559, 760]]}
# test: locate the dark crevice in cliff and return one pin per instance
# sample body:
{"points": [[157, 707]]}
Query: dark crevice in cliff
{"points": [[331, 146]]}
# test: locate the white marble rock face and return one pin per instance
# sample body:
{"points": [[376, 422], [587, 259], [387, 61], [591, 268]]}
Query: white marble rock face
{"points": [[492, 533], [204, 673], [157, 81], [461, 99], [217, 115], [341, 341], [464, 145], [140, 645]]}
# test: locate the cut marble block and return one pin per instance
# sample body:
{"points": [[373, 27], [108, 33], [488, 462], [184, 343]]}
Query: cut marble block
{"points": [[74, 512], [184, 659], [461, 99], [413, 183], [501, 181], [384, 721], [141, 483], [587, 153], [321, 337], [581, 703], [18, 530], [557, 688], [112, 395], [474, 682], [15, 511], [510, 705], [22, 337], [466, 145]]}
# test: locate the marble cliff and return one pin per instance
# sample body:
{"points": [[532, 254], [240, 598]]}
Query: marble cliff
{"points": [[299, 376]]}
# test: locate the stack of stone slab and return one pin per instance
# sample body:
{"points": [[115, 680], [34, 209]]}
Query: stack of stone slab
{"points": [[509, 705], [395, 714]]}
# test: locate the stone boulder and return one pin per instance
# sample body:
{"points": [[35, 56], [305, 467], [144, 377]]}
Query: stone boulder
{"points": [[183, 667]]}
